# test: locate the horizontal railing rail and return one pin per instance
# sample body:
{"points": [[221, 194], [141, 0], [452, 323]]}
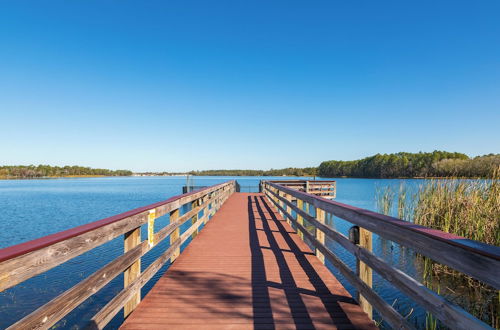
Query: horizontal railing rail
{"points": [[323, 188], [478, 260], [23, 261]]}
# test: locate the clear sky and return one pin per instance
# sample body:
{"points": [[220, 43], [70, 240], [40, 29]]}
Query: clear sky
{"points": [[181, 85]]}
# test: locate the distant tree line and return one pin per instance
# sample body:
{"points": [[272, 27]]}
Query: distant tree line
{"points": [[290, 171], [412, 165], [398, 165], [40, 171]]}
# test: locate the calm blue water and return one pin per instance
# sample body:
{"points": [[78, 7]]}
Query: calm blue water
{"points": [[34, 208]]}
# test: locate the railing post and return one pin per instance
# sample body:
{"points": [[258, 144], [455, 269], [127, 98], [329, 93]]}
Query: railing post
{"points": [[288, 208], [132, 239], [174, 215], [205, 209], [280, 203], [212, 203], [365, 272], [320, 236], [219, 198], [194, 219], [300, 220]]}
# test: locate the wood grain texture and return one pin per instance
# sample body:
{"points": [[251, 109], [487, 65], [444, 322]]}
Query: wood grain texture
{"points": [[388, 313], [23, 261], [260, 276], [106, 314], [174, 217], [364, 271], [48, 314], [131, 240], [447, 312], [300, 219], [21, 268], [475, 259], [320, 235]]}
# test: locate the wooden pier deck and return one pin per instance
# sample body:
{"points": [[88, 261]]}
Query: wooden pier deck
{"points": [[248, 269]]}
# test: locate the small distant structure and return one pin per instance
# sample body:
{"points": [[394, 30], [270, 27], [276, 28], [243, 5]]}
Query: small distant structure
{"points": [[190, 186], [322, 188]]}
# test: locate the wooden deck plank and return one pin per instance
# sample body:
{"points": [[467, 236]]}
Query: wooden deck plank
{"points": [[248, 269]]}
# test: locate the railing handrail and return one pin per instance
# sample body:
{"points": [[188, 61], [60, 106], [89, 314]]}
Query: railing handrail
{"points": [[294, 181], [480, 248], [29, 260], [478, 260], [13, 251]]}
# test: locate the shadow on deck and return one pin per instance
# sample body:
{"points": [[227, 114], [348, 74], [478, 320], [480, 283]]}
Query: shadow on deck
{"points": [[248, 270]]}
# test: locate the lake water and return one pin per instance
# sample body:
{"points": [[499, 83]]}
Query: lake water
{"points": [[35, 208]]}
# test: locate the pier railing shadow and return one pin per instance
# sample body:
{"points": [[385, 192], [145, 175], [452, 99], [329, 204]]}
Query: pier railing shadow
{"points": [[478, 260], [260, 211]]}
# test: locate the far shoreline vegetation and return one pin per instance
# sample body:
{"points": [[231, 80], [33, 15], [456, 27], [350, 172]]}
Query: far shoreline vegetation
{"points": [[50, 172], [401, 165], [436, 164]]}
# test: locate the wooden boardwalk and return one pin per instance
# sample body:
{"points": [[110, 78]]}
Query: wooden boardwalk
{"points": [[247, 269]]}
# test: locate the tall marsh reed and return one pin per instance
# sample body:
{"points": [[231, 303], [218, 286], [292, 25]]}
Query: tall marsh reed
{"points": [[468, 208]]}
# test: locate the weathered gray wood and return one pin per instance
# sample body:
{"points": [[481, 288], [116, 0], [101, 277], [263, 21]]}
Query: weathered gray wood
{"points": [[288, 209], [364, 272], [174, 217], [447, 312], [114, 306], [23, 267], [48, 314], [106, 314], [320, 235], [389, 314], [194, 219], [164, 209], [131, 240], [471, 261], [300, 219], [20, 269]]}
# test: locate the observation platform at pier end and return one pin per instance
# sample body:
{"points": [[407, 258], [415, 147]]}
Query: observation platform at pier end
{"points": [[240, 261]]}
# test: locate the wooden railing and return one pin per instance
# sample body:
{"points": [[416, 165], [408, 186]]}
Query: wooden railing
{"points": [[23, 261], [478, 260], [323, 188]]}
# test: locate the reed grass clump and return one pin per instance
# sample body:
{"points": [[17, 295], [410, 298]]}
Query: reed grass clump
{"points": [[468, 208]]}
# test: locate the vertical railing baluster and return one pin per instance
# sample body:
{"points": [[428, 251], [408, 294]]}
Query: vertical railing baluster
{"points": [[205, 209], [320, 236], [194, 219], [300, 219], [364, 272], [288, 208], [132, 239], [174, 215]]}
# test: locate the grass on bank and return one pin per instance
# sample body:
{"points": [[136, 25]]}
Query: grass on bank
{"points": [[468, 208]]}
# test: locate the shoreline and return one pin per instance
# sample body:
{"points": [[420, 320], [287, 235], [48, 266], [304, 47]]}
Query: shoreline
{"points": [[289, 176], [58, 177]]}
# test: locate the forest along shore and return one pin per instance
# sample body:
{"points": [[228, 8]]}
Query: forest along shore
{"points": [[401, 165], [51, 172]]}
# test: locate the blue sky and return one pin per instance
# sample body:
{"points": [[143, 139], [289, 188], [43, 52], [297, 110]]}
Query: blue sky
{"points": [[180, 85]]}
